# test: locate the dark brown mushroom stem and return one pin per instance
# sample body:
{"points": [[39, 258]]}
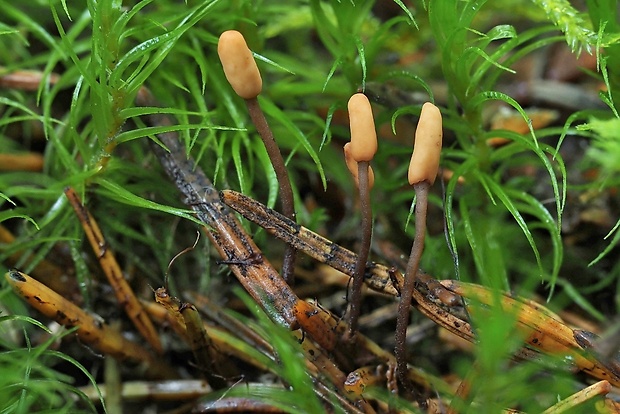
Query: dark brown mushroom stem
{"points": [[355, 298], [286, 191], [404, 306]]}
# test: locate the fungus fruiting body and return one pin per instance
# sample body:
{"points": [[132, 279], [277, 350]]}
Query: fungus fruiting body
{"points": [[243, 75], [422, 173], [358, 154], [362, 124], [239, 65], [353, 167], [427, 150]]}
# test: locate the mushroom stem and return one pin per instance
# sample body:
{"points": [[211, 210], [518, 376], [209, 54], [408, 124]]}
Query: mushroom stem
{"points": [[404, 306], [365, 238], [286, 191]]}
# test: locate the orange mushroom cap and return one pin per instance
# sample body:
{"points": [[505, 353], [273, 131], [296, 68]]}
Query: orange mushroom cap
{"points": [[427, 146], [354, 169], [363, 133], [239, 64]]}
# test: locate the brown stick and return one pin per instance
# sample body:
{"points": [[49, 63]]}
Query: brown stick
{"points": [[233, 244], [90, 330], [378, 277], [123, 292]]}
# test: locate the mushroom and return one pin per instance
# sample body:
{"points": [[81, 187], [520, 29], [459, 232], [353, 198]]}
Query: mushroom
{"points": [[422, 172], [243, 75], [358, 154]]}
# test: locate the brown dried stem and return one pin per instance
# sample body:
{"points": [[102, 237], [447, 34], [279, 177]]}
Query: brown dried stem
{"points": [[233, 244], [122, 290], [90, 329]]}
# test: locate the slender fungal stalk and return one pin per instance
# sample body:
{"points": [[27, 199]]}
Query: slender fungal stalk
{"points": [[366, 234], [286, 191], [422, 172], [243, 75], [404, 306], [358, 153]]}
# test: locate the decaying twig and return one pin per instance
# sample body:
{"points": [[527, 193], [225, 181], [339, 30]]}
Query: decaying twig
{"points": [[260, 279], [91, 330], [124, 294]]}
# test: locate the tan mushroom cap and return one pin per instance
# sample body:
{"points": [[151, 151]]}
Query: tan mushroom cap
{"points": [[239, 65], [427, 146], [353, 167], [362, 124]]}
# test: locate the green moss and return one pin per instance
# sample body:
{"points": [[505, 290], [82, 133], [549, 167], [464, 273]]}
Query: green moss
{"points": [[313, 56]]}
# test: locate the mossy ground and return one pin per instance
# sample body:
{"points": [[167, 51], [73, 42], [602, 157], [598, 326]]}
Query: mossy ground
{"points": [[529, 216]]}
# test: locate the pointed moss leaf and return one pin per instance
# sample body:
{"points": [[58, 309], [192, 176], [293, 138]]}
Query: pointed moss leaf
{"points": [[150, 131], [411, 213], [337, 63], [80, 367], [326, 138], [7, 198], [146, 110], [67, 49], [323, 15], [410, 75], [471, 238], [219, 145], [462, 170], [123, 20], [31, 24], [501, 194], [573, 118], [532, 206], [22, 108], [542, 151], [272, 63], [573, 293], [362, 56], [9, 214], [159, 45], [272, 179], [26, 319], [499, 96], [239, 161], [280, 117], [144, 48], [407, 12], [613, 243], [8, 30], [467, 59], [66, 10], [117, 192], [502, 31]]}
